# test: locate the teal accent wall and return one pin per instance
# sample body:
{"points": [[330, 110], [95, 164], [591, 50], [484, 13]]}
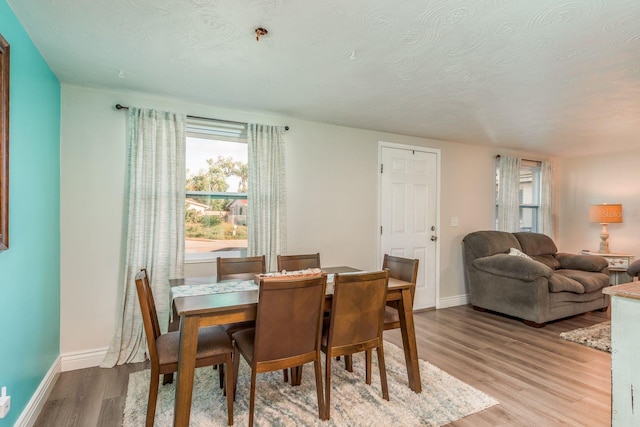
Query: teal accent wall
{"points": [[30, 269]]}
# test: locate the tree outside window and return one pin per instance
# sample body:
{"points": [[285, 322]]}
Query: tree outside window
{"points": [[216, 197]]}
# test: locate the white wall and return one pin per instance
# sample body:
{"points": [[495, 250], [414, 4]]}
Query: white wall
{"points": [[92, 188], [332, 202], [608, 178]]}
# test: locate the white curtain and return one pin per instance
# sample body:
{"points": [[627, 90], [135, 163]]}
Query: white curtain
{"points": [[545, 217], [266, 194], [155, 228], [508, 194]]}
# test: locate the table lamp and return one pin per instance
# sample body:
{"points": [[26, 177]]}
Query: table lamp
{"points": [[605, 214]]}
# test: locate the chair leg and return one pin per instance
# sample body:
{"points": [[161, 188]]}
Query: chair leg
{"points": [[285, 374], [296, 375], [167, 378], [229, 386], [252, 396], [383, 372], [348, 363], [236, 367], [221, 369], [318, 370], [367, 358], [153, 398], [327, 391]]}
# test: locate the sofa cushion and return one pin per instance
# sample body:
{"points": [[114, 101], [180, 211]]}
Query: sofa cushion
{"points": [[561, 283], [512, 266], [582, 262], [564, 298], [536, 244], [548, 260], [589, 280]]}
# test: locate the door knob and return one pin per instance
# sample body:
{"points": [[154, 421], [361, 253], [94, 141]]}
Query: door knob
{"points": [[434, 238]]}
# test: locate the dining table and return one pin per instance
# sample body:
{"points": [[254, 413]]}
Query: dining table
{"points": [[238, 303]]}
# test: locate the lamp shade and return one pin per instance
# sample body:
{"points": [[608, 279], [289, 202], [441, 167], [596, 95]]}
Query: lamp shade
{"points": [[605, 213]]}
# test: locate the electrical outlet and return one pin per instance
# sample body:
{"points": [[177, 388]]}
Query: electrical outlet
{"points": [[5, 403]]}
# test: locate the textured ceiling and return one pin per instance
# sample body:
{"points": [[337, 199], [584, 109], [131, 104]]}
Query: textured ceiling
{"points": [[550, 76]]}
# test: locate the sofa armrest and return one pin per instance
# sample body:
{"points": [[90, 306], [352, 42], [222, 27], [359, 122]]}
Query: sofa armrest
{"points": [[513, 267], [582, 262], [634, 268]]}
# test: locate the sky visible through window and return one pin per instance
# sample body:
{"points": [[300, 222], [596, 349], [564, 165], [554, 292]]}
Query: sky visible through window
{"points": [[199, 150]]}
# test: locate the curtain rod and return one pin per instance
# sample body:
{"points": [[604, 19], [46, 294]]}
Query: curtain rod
{"points": [[122, 107], [528, 160]]}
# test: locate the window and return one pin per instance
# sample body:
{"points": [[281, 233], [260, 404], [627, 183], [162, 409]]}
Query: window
{"points": [[216, 190], [529, 194]]}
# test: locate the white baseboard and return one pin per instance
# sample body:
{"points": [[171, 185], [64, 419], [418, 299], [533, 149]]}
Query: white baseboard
{"points": [[454, 301], [83, 359], [66, 362], [30, 413]]}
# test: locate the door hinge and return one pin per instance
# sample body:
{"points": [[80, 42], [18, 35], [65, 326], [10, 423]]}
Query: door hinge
{"points": [[381, 230], [381, 167]]}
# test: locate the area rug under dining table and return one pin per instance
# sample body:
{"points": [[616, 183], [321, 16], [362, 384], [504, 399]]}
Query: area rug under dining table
{"points": [[443, 399]]}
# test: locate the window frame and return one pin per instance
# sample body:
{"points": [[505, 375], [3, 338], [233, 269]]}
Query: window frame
{"points": [[535, 166], [215, 130]]}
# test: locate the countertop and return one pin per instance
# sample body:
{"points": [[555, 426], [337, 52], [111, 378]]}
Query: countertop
{"points": [[626, 290]]}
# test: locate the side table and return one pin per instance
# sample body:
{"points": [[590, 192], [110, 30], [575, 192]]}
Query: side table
{"points": [[618, 264]]}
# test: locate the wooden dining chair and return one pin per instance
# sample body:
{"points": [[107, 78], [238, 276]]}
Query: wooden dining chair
{"points": [[294, 263], [404, 269], [242, 269], [298, 262], [239, 269], [355, 324], [294, 305], [400, 268], [214, 348]]}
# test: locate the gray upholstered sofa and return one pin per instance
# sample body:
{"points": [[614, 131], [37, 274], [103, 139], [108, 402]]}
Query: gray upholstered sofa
{"points": [[544, 285]]}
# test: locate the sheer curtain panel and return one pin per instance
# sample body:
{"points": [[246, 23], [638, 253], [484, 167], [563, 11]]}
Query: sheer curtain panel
{"points": [[545, 219], [266, 193], [155, 227], [508, 194]]}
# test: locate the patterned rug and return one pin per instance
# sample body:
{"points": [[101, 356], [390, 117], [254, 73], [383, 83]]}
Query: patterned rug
{"points": [[597, 336], [443, 399]]}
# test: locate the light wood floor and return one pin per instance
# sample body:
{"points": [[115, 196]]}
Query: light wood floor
{"points": [[538, 378]]}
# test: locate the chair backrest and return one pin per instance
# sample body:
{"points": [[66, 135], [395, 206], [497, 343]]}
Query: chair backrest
{"points": [[289, 317], [240, 268], [149, 314], [298, 262], [404, 269], [357, 310]]}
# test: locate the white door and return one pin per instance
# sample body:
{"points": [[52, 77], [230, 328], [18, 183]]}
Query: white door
{"points": [[408, 213]]}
